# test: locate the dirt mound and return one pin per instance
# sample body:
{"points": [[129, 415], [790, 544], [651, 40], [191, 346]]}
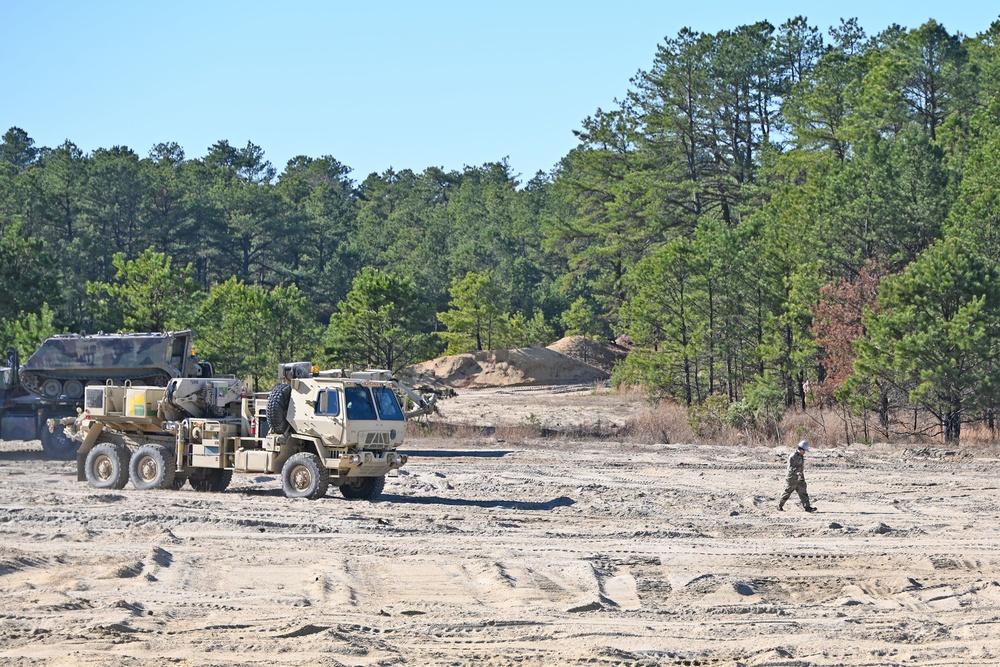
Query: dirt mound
{"points": [[590, 351], [505, 368]]}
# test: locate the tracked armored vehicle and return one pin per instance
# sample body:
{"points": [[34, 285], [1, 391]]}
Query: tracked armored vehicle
{"points": [[64, 365]]}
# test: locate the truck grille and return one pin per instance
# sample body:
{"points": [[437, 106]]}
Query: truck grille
{"points": [[377, 438]]}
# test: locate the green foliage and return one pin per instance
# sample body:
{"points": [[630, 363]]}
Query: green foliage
{"points": [[28, 332], [296, 333], [533, 332], [702, 215], [581, 320], [381, 324], [761, 409], [29, 277], [322, 210], [664, 313], [936, 335], [247, 330], [17, 148], [147, 294], [476, 320], [651, 370], [710, 418], [975, 216]]}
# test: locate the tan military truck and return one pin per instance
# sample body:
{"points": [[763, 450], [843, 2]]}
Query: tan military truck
{"points": [[314, 429]]}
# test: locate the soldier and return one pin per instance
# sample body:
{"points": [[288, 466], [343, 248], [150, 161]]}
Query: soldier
{"points": [[796, 479]]}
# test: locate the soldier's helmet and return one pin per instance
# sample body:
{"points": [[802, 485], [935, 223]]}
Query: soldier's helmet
{"points": [[804, 445]]}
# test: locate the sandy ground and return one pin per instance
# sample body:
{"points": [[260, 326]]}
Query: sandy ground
{"points": [[493, 552]]}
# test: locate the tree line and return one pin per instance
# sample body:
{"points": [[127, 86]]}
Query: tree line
{"points": [[770, 217]]}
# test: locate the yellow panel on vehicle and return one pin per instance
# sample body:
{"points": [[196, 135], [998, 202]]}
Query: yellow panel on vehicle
{"points": [[141, 401], [137, 403]]}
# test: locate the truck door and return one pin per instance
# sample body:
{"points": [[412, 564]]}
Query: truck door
{"points": [[329, 409]]}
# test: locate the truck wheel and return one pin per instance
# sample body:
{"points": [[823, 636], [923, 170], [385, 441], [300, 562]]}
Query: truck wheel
{"points": [[179, 481], [57, 445], [363, 488], [107, 466], [304, 476], [214, 480], [152, 467], [277, 408]]}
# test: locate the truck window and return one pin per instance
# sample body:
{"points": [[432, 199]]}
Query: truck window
{"points": [[388, 406], [359, 403], [328, 402]]}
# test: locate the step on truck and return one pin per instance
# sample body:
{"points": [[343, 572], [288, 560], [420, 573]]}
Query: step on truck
{"points": [[315, 429]]}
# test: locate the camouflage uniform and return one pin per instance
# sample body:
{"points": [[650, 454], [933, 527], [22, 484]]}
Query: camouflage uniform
{"points": [[795, 482]]}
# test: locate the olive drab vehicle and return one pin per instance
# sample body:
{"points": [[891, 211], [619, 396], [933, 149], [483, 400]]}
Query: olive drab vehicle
{"points": [[63, 365], [315, 429]]}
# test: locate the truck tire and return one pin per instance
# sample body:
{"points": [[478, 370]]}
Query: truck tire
{"points": [[152, 467], [304, 476], [215, 480], [57, 445], [107, 466], [277, 408], [363, 488]]}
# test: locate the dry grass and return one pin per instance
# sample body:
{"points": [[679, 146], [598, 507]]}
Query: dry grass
{"points": [[833, 428], [661, 423], [669, 422]]}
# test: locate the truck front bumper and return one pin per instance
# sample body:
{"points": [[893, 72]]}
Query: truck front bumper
{"points": [[370, 464]]}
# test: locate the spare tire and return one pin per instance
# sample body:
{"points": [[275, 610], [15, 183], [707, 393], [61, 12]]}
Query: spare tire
{"points": [[277, 408]]}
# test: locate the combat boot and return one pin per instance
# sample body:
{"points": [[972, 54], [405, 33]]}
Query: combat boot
{"points": [[810, 509]]}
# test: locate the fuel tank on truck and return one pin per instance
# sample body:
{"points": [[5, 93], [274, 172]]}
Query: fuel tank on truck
{"points": [[63, 365]]}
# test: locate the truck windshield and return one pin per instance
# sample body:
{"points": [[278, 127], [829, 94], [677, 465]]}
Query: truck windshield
{"points": [[388, 406], [359, 403]]}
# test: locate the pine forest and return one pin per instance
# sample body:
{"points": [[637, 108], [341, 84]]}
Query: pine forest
{"points": [[771, 218]]}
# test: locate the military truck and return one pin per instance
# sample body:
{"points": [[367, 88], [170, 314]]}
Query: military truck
{"points": [[23, 416], [315, 429], [51, 383]]}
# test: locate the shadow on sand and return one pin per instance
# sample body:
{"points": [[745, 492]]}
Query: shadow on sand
{"points": [[453, 453], [27, 453], [561, 501]]}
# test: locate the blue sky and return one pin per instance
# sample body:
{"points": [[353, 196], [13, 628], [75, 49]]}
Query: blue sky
{"points": [[376, 85]]}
